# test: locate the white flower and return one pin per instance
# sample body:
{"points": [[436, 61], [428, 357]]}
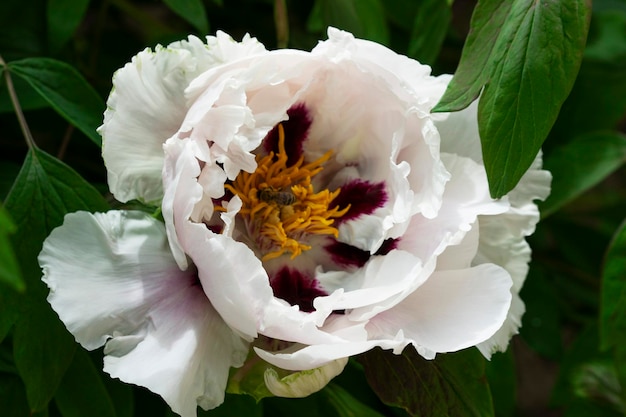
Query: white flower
{"points": [[314, 201]]}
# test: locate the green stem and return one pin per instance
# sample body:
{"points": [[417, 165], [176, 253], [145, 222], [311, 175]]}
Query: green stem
{"points": [[16, 105], [281, 20]]}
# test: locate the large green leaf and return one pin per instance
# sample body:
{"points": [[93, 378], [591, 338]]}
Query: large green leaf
{"points": [[477, 56], [12, 396], [9, 269], [541, 323], [234, 405], [452, 385], [43, 350], [63, 17], [371, 14], [192, 11], [613, 305], [121, 394], [528, 68], [82, 392], [598, 98], [538, 56], [66, 91], [29, 98], [581, 164], [44, 191], [502, 377], [345, 404]]}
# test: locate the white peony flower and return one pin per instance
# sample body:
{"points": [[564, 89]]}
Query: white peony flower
{"points": [[314, 209]]}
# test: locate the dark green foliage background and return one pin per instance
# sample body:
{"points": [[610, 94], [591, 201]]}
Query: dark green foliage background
{"points": [[552, 71]]}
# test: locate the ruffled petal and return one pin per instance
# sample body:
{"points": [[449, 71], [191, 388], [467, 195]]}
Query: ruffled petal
{"points": [[451, 311], [465, 198], [147, 106], [113, 280], [185, 355], [502, 241]]}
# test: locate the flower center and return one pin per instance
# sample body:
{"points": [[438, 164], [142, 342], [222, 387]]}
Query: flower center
{"points": [[280, 207]]}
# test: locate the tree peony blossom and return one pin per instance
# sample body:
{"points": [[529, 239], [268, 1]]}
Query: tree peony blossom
{"points": [[314, 209]]}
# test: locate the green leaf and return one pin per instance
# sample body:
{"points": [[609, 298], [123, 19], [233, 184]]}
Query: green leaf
{"points": [[341, 14], [345, 404], [502, 374], [43, 351], [598, 382], [477, 56], [9, 269], [371, 14], [581, 164], [452, 385], [234, 405], [44, 191], [363, 18], [429, 30], [613, 304], [29, 98], [82, 392], [9, 310], [538, 56], [121, 395], [64, 16], [192, 11], [526, 54], [541, 324], [66, 91], [12, 396], [598, 98]]}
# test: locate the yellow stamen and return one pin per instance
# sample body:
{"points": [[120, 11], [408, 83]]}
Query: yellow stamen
{"points": [[275, 216]]}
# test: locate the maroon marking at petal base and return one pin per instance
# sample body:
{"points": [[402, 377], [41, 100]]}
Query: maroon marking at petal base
{"points": [[387, 246], [296, 288], [296, 132], [215, 228], [363, 196], [347, 255]]}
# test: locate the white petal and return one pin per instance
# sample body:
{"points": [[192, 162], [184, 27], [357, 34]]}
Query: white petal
{"points": [[500, 340], [314, 356], [186, 355], [104, 270], [182, 193], [502, 241], [382, 283], [112, 279], [232, 277], [465, 198], [147, 106], [459, 132], [451, 311]]}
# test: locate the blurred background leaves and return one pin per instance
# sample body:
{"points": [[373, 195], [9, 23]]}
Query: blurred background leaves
{"points": [[569, 359]]}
